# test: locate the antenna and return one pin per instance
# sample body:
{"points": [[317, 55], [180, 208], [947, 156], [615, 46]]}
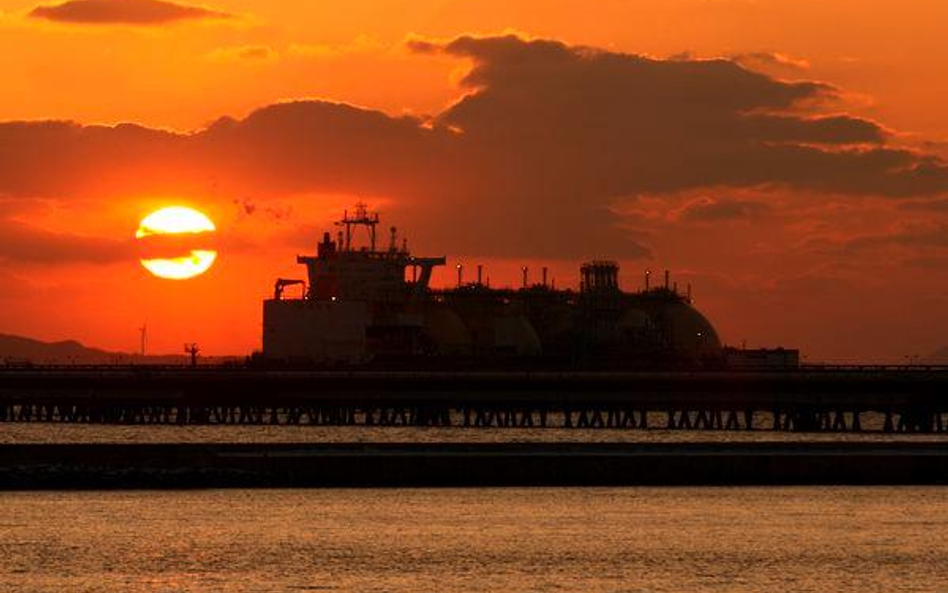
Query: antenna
{"points": [[544, 276], [361, 217], [345, 218], [480, 269], [460, 272], [666, 279], [525, 270], [143, 338], [648, 275]]}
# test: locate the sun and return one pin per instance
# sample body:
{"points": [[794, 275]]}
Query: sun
{"points": [[175, 242]]}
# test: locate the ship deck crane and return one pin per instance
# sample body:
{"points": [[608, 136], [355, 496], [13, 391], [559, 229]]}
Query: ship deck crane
{"points": [[280, 286]]}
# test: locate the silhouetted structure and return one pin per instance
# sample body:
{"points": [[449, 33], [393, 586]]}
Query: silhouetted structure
{"points": [[807, 399], [192, 350], [360, 306]]}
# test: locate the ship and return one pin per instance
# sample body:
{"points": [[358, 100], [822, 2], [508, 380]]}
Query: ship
{"points": [[371, 305]]}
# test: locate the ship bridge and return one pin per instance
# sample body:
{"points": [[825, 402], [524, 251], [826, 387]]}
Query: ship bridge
{"points": [[343, 271]]}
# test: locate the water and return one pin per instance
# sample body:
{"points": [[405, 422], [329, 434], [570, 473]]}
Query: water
{"points": [[504, 540], [12, 432]]}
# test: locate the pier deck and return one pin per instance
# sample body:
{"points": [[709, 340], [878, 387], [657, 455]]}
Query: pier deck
{"points": [[886, 399]]}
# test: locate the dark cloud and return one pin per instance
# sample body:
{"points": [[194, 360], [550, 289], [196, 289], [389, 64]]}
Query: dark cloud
{"points": [[22, 243], [527, 162], [54, 159], [719, 210], [837, 129], [126, 12], [619, 124]]}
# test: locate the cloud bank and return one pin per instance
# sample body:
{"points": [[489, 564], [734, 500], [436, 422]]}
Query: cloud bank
{"points": [[545, 138], [23, 243]]}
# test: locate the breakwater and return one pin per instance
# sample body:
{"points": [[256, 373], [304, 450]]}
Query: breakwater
{"points": [[470, 464]]}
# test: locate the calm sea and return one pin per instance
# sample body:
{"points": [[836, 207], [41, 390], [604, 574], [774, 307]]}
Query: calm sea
{"points": [[12, 432], [504, 540]]}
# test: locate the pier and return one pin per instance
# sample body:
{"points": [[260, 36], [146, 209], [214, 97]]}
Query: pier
{"points": [[815, 399]]}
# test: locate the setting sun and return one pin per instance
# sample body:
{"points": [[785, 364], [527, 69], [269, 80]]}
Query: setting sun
{"points": [[176, 222]]}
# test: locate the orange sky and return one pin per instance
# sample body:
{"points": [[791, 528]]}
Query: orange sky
{"points": [[791, 254]]}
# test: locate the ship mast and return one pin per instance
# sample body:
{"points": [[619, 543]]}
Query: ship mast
{"points": [[361, 217]]}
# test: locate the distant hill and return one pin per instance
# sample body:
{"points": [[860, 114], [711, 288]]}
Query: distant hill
{"points": [[20, 349], [17, 349]]}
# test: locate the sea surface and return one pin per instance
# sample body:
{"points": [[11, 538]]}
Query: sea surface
{"points": [[64, 433], [580, 540]]}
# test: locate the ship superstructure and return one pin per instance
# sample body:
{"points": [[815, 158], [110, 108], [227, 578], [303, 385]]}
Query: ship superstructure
{"points": [[356, 301], [360, 303]]}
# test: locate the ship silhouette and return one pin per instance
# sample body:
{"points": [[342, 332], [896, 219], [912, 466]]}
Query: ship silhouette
{"points": [[362, 304]]}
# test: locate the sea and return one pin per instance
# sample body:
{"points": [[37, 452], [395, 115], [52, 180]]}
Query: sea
{"points": [[592, 540], [510, 540], [67, 433]]}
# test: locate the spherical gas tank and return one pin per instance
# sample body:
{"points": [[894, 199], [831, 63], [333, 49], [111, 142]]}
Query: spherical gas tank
{"points": [[690, 332], [515, 334], [446, 330]]}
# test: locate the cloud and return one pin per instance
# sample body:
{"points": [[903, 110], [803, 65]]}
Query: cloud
{"points": [[810, 285], [720, 210], [914, 235], [23, 243], [633, 124], [54, 159], [528, 161], [243, 53], [125, 12], [937, 205], [926, 262], [914, 239]]}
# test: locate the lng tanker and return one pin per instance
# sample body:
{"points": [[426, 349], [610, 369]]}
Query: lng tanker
{"points": [[360, 304]]}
